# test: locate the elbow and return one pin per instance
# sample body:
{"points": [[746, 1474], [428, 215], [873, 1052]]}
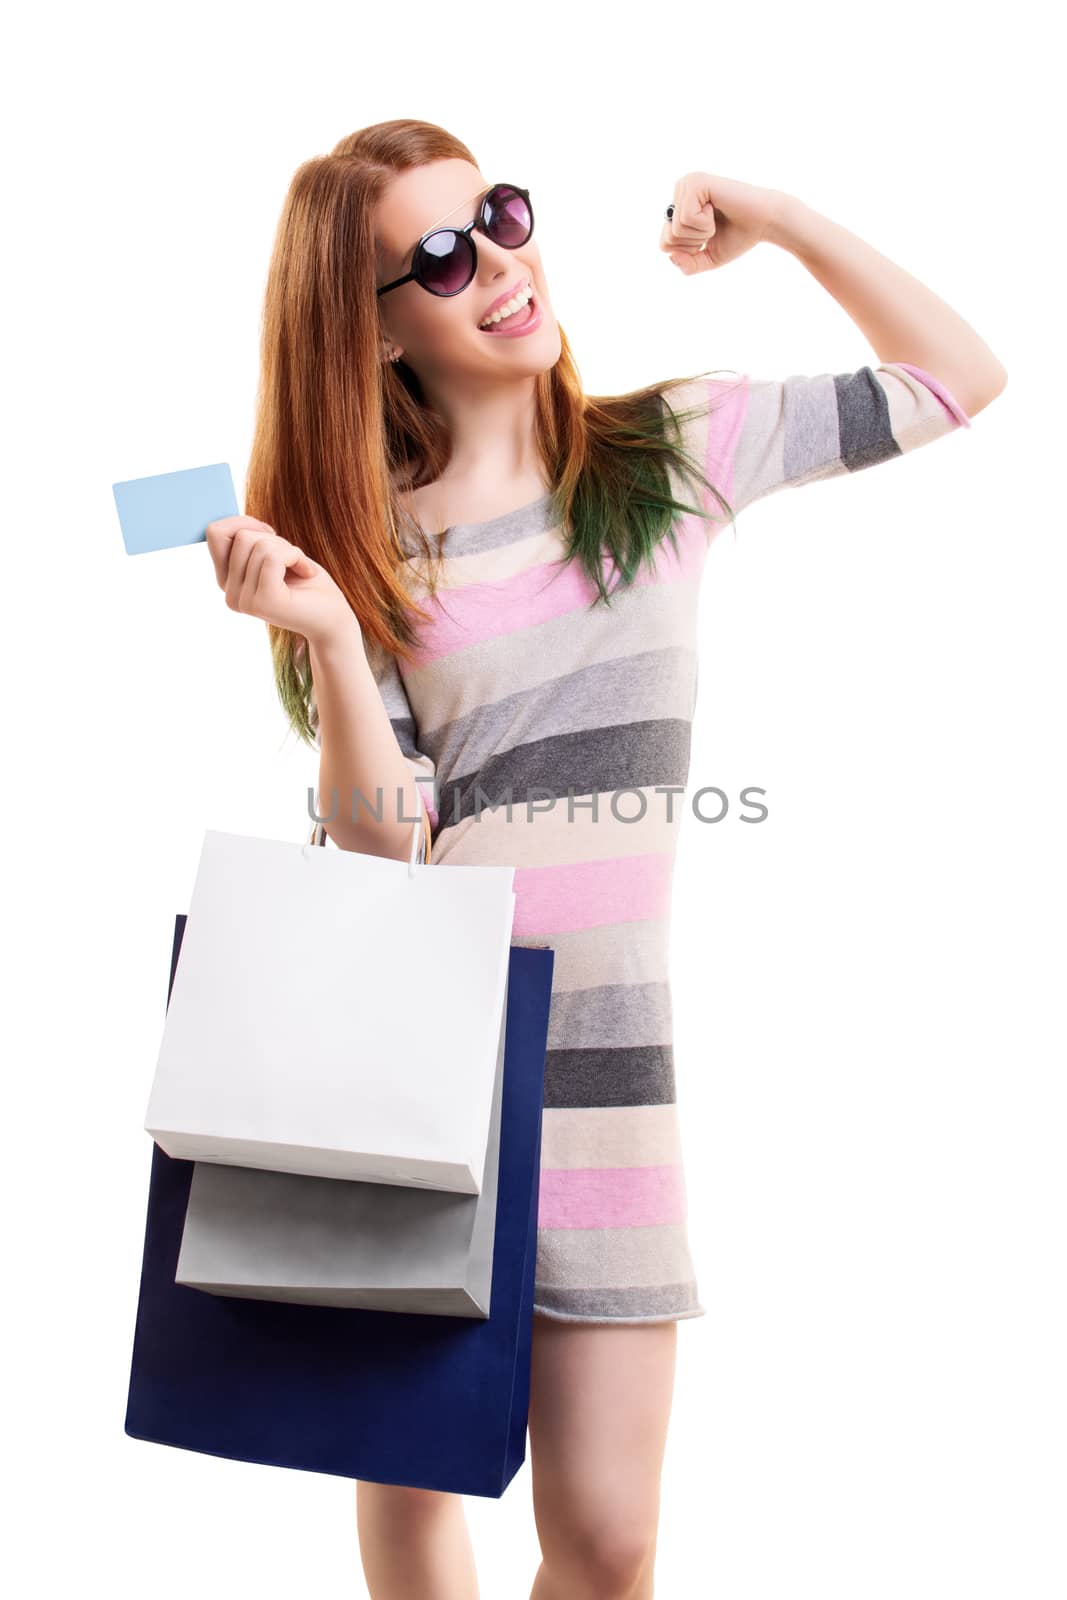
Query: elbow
{"points": [[991, 386]]}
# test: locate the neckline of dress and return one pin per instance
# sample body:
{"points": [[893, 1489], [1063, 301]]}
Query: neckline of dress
{"points": [[491, 523]]}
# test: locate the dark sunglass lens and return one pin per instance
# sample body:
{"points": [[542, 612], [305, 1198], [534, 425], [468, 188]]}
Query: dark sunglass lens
{"points": [[446, 262], [510, 221]]}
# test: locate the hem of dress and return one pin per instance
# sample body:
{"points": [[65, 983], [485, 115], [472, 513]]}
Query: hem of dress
{"points": [[659, 1316]]}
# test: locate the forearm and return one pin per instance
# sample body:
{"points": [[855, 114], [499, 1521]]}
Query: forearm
{"points": [[359, 751], [900, 317]]}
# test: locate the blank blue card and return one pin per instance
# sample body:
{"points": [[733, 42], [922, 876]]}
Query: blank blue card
{"points": [[173, 508]]}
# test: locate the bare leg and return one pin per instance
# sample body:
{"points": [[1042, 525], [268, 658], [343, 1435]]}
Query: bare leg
{"points": [[414, 1543], [600, 1399]]}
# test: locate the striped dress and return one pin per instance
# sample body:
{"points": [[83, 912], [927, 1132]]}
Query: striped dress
{"points": [[521, 690]]}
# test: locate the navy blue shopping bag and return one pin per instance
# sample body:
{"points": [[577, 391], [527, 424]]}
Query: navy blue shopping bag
{"points": [[433, 1402]]}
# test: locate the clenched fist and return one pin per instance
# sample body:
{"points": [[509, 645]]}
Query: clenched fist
{"points": [[716, 219]]}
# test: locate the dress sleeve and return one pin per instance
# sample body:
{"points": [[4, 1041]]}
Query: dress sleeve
{"points": [[395, 699], [758, 435]]}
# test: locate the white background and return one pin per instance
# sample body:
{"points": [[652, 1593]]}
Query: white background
{"points": [[867, 987]]}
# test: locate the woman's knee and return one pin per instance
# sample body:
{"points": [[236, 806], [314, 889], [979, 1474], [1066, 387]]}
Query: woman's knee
{"points": [[600, 1556], [599, 1407]]}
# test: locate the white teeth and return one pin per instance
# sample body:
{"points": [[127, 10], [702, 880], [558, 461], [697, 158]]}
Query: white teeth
{"points": [[513, 305]]}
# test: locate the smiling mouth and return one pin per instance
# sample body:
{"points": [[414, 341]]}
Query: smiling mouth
{"points": [[512, 318]]}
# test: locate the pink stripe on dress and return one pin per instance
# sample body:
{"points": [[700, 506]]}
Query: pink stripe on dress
{"points": [[726, 420], [475, 613], [587, 894], [611, 1197], [937, 387]]}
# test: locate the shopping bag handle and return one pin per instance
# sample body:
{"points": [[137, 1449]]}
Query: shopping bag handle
{"points": [[420, 839]]}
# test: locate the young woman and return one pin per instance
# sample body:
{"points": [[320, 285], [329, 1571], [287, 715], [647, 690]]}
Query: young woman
{"points": [[481, 586]]}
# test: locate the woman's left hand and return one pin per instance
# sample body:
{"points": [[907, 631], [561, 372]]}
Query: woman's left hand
{"points": [[716, 220]]}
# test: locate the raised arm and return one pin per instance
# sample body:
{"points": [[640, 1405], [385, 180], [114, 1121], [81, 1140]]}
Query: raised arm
{"points": [[901, 318], [714, 220]]}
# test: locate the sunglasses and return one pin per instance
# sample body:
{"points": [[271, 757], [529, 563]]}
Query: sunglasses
{"points": [[446, 259]]}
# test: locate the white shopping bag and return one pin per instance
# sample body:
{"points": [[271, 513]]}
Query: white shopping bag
{"points": [[335, 1014], [259, 1235]]}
